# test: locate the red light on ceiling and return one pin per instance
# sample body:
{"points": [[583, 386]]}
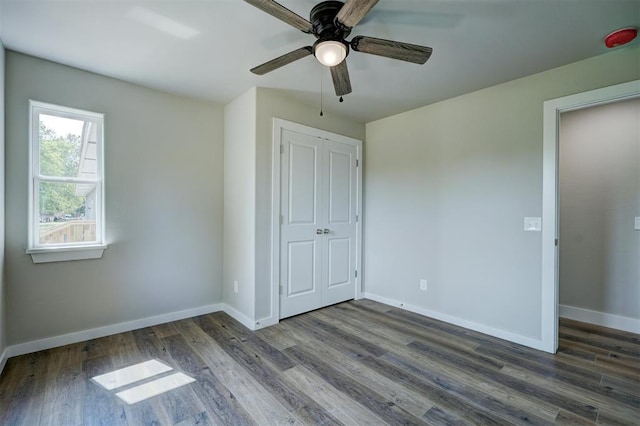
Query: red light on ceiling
{"points": [[620, 37]]}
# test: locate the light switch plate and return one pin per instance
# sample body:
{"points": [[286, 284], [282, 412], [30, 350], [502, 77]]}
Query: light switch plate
{"points": [[533, 224], [637, 224]]}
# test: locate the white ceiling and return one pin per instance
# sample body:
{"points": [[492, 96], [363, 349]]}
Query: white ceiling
{"points": [[205, 48]]}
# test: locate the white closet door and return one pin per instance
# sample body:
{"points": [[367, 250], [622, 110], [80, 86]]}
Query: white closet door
{"points": [[300, 244], [318, 233], [339, 205]]}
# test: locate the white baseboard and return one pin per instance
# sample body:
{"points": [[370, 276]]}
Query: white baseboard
{"points": [[481, 328], [240, 317], [3, 360], [600, 318], [94, 333]]}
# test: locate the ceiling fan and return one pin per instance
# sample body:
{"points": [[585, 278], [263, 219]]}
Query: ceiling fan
{"points": [[331, 23]]}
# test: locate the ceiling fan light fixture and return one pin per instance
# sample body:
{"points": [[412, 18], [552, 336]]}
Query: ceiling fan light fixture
{"points": [[330, 52]]}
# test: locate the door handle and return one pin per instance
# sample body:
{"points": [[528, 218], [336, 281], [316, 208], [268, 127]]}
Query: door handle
{"points": [[326, 231], [319, 231]]}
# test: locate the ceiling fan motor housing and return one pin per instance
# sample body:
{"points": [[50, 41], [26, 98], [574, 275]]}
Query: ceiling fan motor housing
{"points": [[324, 23]]}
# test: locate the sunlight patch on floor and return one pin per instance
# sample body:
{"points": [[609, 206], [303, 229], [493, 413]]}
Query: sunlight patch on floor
{"points": [[125, 376], [140, 372], [154, 388]]}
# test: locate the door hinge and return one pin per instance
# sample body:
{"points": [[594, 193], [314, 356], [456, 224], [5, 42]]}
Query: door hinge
{"points": [[281, 219], [556, 242], [356, 273], [281, 149], [280, 289], [357, 218], [357, 162]]}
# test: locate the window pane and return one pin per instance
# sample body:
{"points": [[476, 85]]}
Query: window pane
{"points": [[67, 147], [67, 213]]}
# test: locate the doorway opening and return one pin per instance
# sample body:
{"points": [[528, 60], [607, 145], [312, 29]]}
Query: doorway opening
{"points": [[550, 206]]}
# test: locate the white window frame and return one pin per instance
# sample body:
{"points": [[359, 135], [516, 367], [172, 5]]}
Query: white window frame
{"points": [[65, 251]]}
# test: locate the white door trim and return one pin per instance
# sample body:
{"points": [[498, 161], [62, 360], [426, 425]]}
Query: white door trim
{"points": [[278, 126], [552, 110]]}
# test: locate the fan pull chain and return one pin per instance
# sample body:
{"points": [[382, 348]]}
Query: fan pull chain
{"points": [[321, 113]]}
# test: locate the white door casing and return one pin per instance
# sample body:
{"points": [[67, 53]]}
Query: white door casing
{"points": [[317, 231]]}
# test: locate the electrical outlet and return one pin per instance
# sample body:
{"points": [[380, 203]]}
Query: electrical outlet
{"points": [[423, 285], [235, 286]]}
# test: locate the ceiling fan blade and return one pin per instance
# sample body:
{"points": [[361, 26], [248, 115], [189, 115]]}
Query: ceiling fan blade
{"points": [[392, 49], [340, 76], [353, 11], [279, 11], [283, 60]]}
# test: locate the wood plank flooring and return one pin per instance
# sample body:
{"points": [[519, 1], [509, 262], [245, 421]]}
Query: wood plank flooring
{"points": [[354, 363]]}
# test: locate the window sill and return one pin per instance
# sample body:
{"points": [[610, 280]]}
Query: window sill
{"points": [[65, 254]]}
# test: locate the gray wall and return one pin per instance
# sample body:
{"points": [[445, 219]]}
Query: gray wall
{"points": [[599, 198], [447, 187], [240, 203], [164, 183]]}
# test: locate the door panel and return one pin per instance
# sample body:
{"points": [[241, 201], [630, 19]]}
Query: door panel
{"points": [[302, 265], [300, 252], [339, 265], [339, 254], [303, 181], [339, 187]]}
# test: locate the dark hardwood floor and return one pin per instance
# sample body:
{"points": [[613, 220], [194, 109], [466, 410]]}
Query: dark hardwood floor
{"points": [[353, 363]]}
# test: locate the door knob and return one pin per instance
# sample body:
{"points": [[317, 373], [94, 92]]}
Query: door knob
{"points": [[319, 231], [326, 231]]}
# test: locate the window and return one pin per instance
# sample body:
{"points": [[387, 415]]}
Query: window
{"points": [[66, 186]]}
